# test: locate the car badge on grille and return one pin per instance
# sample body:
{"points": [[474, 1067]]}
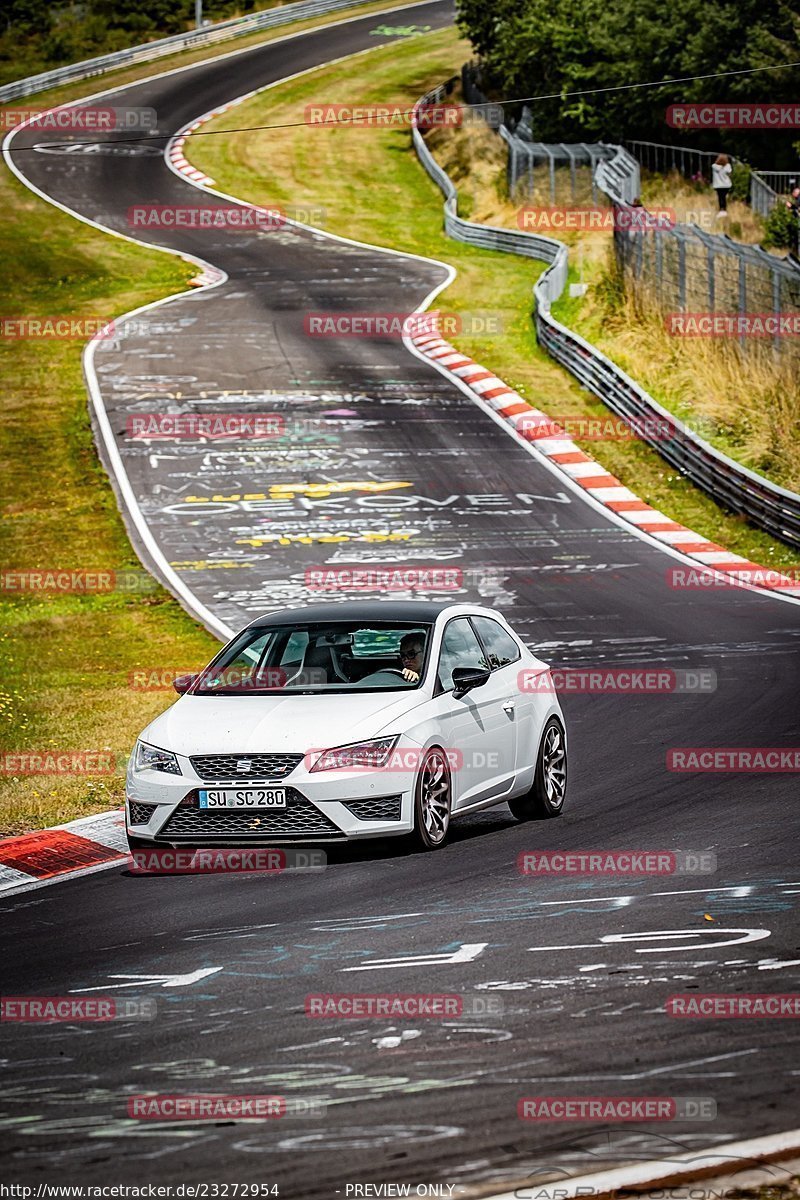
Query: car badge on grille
{"points": [[243, 765]]}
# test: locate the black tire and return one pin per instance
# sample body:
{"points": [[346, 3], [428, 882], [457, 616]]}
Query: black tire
{"points": [[432, 801], [548, 792]]}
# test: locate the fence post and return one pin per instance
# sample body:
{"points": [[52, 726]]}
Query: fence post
{"points": [[682, 274], [711, 281], [742, 294]]}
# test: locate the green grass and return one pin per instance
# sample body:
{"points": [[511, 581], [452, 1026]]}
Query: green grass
{"points": [[67, 659], [375, 190]]}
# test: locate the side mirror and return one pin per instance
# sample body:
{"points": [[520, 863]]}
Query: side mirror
{"points": [[467, 678], [182, 683]]}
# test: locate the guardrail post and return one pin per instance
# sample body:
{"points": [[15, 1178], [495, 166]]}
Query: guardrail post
{"points": [[742, 295], [659, 264], [776, 308]]}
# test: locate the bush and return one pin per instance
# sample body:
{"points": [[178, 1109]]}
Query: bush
{"points": [[780, 228], [740, 181]]}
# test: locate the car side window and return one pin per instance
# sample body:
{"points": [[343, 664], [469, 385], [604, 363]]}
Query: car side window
{"points": [[241, 667], [500, 646], [294, 649], [460, 648]]}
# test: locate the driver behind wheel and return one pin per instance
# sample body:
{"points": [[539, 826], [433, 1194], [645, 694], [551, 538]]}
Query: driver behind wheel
{"points": [[411, 650]]}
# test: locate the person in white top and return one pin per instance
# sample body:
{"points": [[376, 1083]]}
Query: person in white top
{"points": [[721, 171]]}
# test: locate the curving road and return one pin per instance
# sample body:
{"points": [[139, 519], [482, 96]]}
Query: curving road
{"points": [[426, 1101]]}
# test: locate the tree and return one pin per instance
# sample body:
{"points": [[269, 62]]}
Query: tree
{"points": [[534, 48]]}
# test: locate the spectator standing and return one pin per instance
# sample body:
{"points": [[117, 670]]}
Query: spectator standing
{"points": [[721, 181]]}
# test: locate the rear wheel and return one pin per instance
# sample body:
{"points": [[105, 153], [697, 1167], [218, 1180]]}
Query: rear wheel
{"points": [[432, 801], [546, 796]]}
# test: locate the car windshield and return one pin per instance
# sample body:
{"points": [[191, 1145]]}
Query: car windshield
{"points": [[335, 657]]}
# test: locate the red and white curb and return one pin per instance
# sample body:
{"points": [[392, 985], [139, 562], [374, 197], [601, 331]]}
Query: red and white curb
{"points": [[175, 154], [179, 163], [79, 847], [556, 445], [735, 1159]]}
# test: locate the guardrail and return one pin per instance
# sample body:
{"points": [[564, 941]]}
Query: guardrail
{"points": [[489, 237], [208, 36], [772, 508]]}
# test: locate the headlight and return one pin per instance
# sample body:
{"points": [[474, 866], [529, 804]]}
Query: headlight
{"points": [[150, 758], [358, 756]]}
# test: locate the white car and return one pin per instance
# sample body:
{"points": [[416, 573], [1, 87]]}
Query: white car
{"points": [[351, 720]]}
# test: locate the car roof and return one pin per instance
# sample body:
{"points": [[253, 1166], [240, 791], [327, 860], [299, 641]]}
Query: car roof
{"points": [[403, 611]]}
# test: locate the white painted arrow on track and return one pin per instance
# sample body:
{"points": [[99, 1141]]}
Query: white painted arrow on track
{"points": [[688, 940], [467, 953], [163, 980]]}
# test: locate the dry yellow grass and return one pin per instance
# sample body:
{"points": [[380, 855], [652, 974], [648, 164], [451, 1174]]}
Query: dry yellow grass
{"points": [[693, 207], [747, 404]]}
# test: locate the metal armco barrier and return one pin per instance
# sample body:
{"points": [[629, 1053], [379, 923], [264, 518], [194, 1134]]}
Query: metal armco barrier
{"points": [[489, 237], [772, 508], [222, 32]]}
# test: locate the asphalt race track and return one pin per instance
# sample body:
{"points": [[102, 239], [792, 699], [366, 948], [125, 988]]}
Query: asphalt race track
{"points": [[581, 1009]]}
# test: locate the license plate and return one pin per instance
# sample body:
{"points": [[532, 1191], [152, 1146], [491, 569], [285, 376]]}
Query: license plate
{"points": [[244, 798]]}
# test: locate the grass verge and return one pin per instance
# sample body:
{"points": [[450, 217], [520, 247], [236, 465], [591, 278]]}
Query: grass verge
{"points": [[373, 189], [69, 659]]}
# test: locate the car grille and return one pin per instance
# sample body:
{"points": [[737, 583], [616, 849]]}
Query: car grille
{"points": [[141, 813], [381, 808], [217, 768], [299, 819]]}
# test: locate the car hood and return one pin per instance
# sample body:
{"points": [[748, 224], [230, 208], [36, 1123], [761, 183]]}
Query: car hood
{"points": [[291, 724]]}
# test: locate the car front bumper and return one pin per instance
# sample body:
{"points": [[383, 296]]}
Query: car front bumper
{"points": [[323, 806]]}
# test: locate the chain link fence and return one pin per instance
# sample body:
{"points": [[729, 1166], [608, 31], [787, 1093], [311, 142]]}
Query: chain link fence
{"points": [[769, 506], [692, 275], [765, 188], [551, 172], [681, 269]]}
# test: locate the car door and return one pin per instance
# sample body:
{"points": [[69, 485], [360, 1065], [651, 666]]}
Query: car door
{"points": [[504, 656], [477, 732]]}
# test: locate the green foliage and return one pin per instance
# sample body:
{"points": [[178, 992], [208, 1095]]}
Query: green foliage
{"points": [[740, 181], [533, 47], [780, 228], [37, 36]]}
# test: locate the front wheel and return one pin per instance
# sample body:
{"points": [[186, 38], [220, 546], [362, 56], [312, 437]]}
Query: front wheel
{"points": [[432, 801], [546, 796]]}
